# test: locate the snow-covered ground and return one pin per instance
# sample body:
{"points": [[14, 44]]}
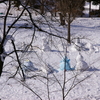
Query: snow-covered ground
{"points": [[46, 55]]}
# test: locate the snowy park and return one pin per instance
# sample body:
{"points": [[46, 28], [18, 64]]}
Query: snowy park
{"points": [[42, 65]]}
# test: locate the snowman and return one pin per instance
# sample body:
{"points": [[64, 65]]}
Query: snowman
{"points": [[45, 45], [81, 64]]}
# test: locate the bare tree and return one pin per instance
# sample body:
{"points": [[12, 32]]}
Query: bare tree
{"points": [[6, 37], [69, 10]]}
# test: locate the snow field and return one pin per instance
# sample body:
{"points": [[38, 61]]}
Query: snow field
{"points": [[49, 51]]}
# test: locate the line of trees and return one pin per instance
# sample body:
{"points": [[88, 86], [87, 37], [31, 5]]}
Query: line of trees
{"points": [[55, 5]]}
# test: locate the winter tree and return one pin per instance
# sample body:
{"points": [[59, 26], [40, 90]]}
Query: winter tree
{"points": [[68, 12]]}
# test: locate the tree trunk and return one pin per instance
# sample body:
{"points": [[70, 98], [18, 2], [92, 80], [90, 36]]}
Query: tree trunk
{"points": [[62, 20], [89, 8], [1, 66], [42, 7], [99, 7], [69, 40], [1, 59]]}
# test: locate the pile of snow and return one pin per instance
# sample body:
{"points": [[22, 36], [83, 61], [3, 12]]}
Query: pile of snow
{"points": [[45, 44], [3, 5], [47, 68], [81, 46], [28, 66], [78, 45]]}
